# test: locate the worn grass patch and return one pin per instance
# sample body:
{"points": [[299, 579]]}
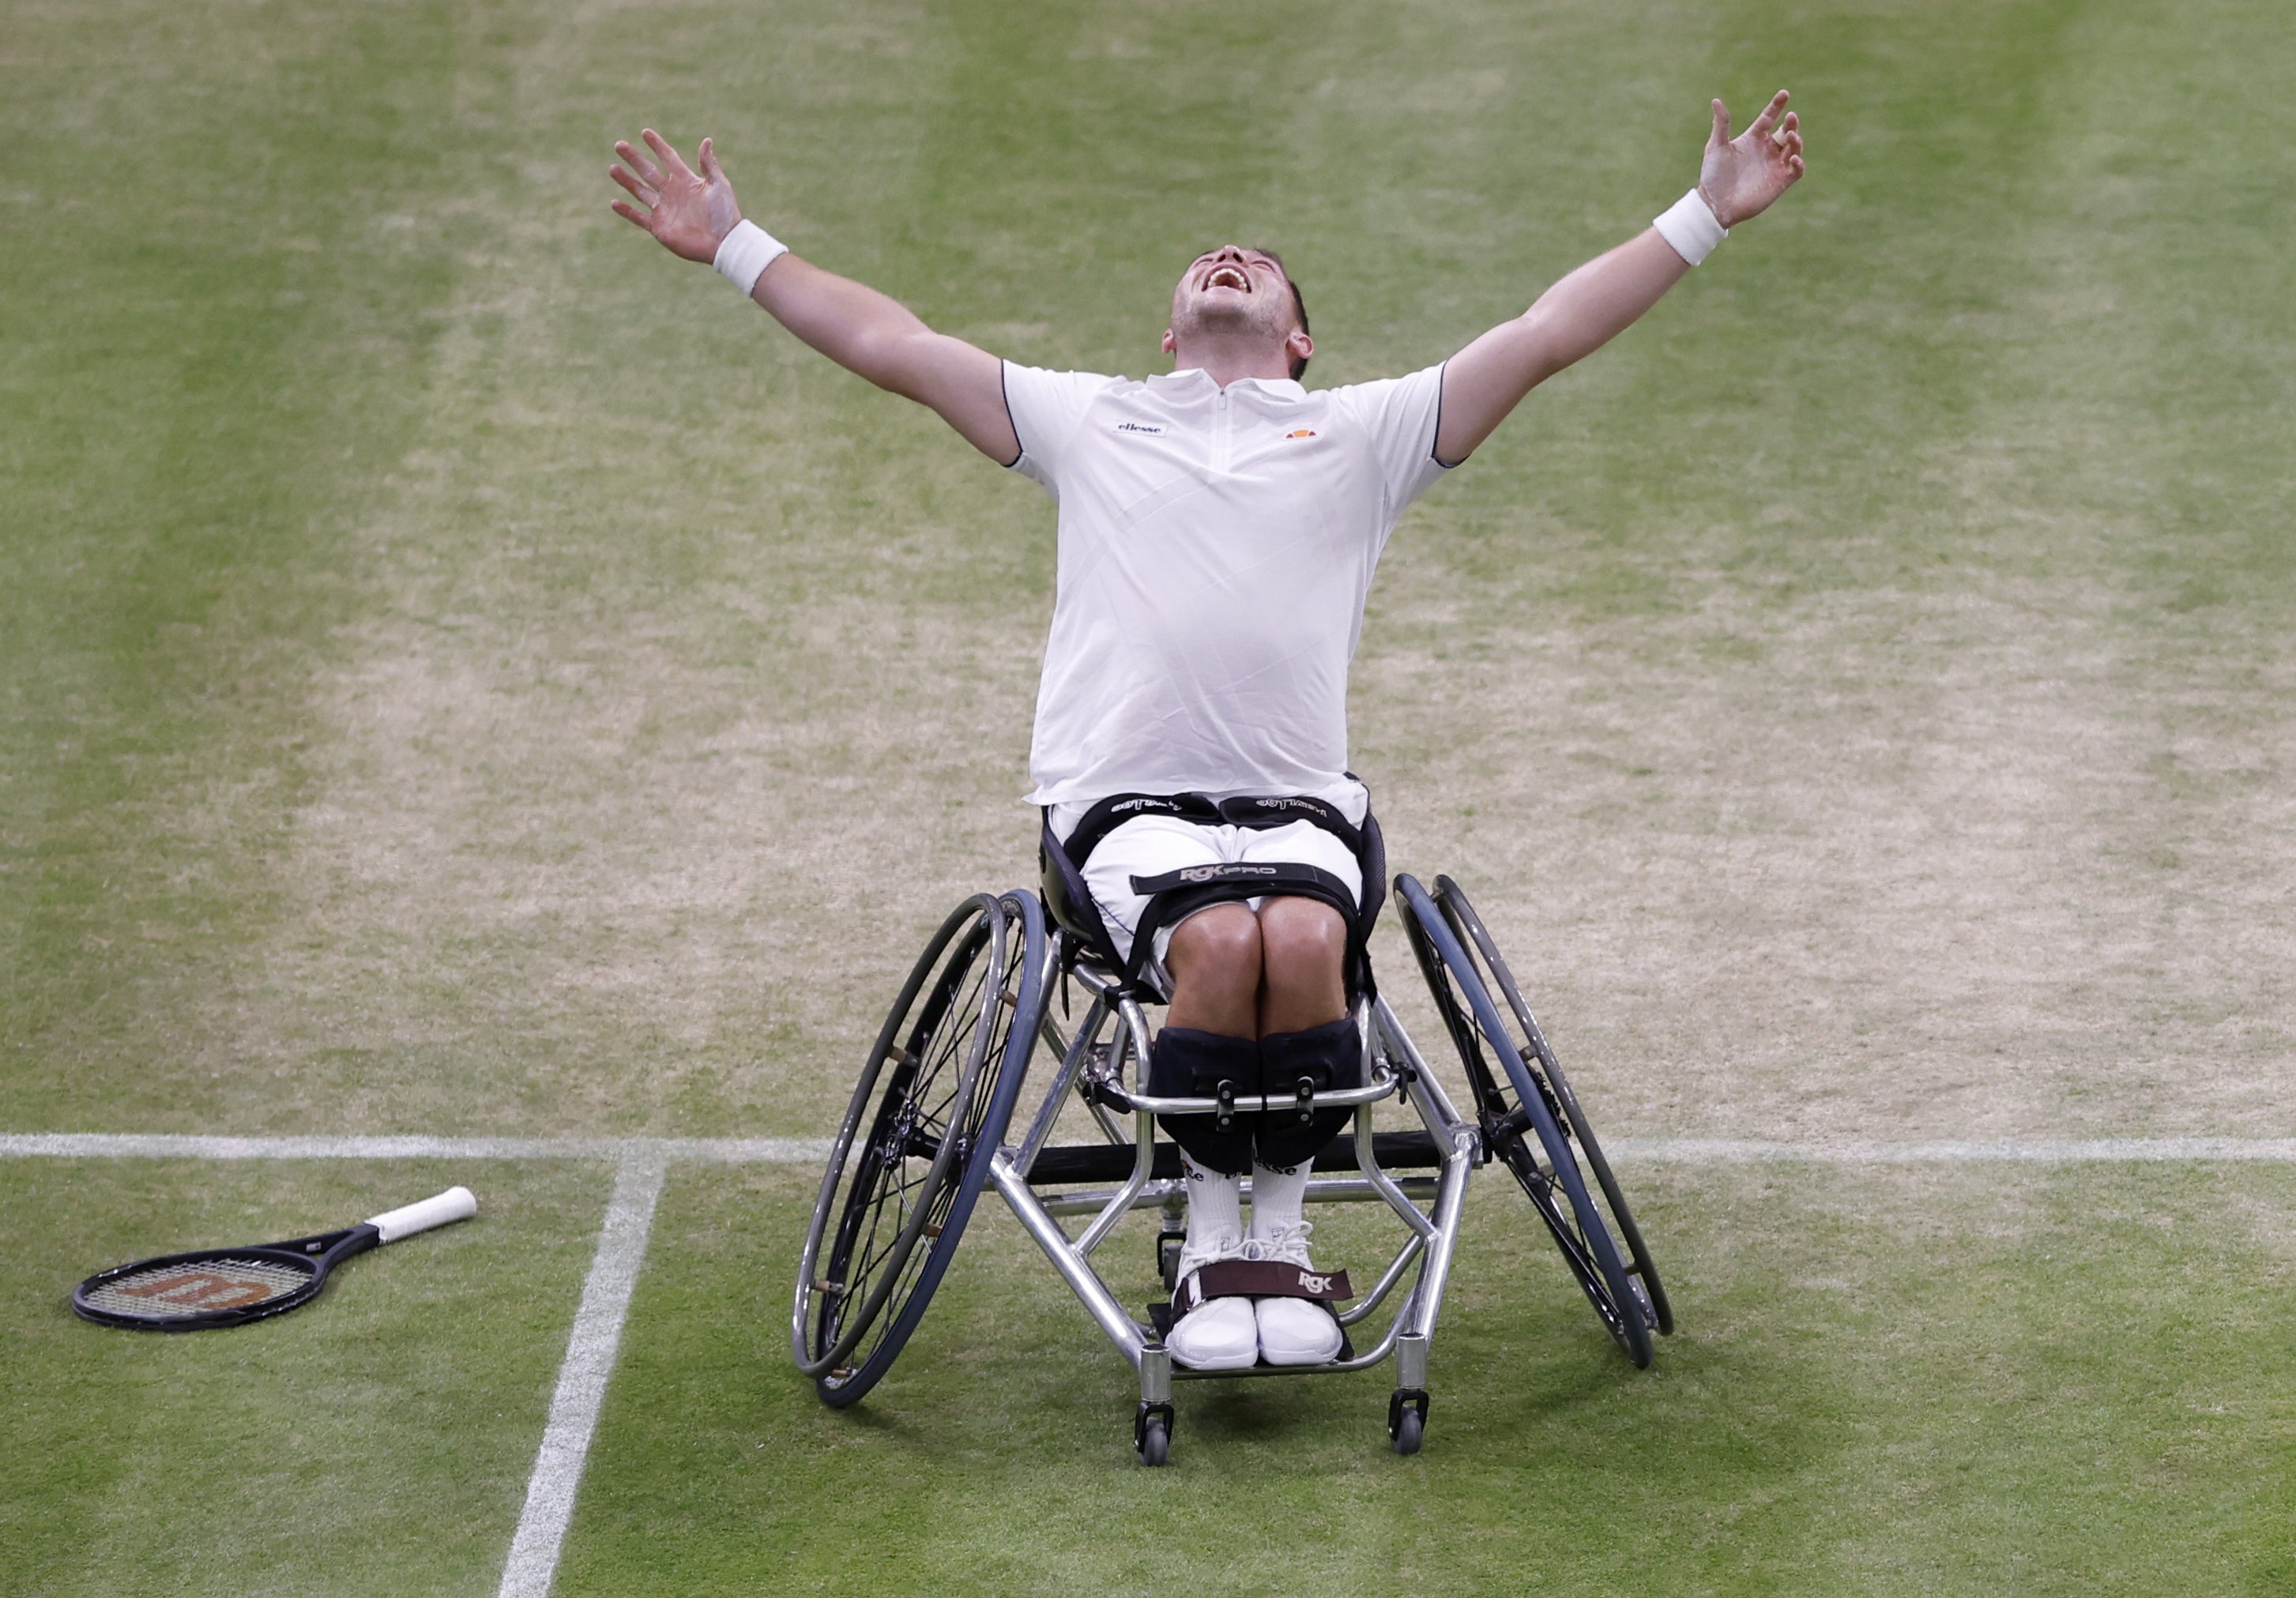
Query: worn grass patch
{"points": [[461, 671], [468, 674]]}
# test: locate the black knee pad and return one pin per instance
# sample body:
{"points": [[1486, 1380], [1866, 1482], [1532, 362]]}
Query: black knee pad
{"points": [[1330, 1056], [1184, 1063]]}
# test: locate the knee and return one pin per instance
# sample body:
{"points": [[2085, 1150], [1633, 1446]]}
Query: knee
{"points": [[1220, 945], [1302, 940]]}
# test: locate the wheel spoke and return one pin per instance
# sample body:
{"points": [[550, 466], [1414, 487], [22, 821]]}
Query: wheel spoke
{"points": [[914, 1181], [1544, 1142], [895, 1205]]}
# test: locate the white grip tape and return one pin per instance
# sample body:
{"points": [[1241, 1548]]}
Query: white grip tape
{"points": [[745, 254], [1690, 226], [456, 1204]]}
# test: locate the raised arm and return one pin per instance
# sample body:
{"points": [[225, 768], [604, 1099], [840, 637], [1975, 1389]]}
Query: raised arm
{"points": [[864, 332], [1738, 179]]}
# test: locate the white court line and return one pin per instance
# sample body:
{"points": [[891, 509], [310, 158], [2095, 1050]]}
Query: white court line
{"points": [[596, 1338], [138, 1145], [2043, 1151], [796, 1151], [590, 1351]]}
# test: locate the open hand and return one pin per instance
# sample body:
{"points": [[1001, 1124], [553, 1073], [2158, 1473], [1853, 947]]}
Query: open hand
{"points": [[1742, 176], [690, 213]]}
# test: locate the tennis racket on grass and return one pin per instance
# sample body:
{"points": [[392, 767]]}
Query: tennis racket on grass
{"points": [[226, 1287]]}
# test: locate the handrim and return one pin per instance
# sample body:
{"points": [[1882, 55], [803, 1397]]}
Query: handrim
{"points": [[983, 921]]}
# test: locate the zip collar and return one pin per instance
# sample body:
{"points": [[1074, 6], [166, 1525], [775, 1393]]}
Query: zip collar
{"points": [[1197, 378]]}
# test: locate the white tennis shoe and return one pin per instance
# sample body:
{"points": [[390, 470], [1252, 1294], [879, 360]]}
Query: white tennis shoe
{"points": [[1219, 1334], [1293, 1332]]}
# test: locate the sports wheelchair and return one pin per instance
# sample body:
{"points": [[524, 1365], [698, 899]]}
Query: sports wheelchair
{"points": [[932, 1122]]}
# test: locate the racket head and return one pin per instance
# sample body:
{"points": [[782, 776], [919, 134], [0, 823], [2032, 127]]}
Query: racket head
{"points": [[216, 1287]]}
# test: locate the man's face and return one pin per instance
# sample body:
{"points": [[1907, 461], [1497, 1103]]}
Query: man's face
{"points": [[1232, 292]]}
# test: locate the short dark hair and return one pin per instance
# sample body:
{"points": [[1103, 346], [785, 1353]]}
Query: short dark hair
{"points": [[1299, 302]]}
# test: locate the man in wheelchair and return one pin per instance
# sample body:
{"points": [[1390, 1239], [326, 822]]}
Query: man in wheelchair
{"points": [[1219, 528], [1248, 911]]}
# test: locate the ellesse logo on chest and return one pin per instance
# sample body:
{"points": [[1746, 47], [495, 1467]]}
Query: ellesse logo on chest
{"points": [[1145, 428]]}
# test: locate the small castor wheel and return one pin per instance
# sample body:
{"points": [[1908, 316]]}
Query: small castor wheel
{"points": [[1406, 1418], [1168, 1257], [1151, 1433]]}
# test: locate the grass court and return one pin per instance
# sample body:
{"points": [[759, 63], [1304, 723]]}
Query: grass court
{"points": [[464, 675]]}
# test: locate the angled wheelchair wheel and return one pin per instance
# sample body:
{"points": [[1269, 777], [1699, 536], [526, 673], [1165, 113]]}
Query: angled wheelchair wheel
{"points": [[1523, 1124], [1539, 1056], [911, 1156]]}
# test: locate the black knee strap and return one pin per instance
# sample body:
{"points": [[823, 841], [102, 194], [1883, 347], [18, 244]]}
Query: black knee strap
{"points": [[1325, 1057], [1184, 1063], [1322, 1059]]}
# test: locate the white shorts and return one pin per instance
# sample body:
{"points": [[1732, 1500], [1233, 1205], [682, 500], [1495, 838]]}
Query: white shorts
{"points": [[1152, 845]]}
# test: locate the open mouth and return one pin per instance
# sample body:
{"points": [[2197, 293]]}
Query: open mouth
{"points": [[1228, 277]]}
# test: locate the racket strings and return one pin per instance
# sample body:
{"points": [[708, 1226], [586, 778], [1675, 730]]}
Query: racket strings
{"points": [[200, 1287]]}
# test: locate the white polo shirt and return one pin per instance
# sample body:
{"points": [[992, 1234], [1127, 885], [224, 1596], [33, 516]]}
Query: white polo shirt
{"points": [[1216, 549]]}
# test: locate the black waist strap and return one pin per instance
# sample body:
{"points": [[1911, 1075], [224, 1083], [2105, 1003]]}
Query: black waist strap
{"points": [[1252, 874], [1277, 810], [1175, 894]]}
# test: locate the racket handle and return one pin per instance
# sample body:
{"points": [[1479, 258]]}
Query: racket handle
{"points": [[456, 1204]]}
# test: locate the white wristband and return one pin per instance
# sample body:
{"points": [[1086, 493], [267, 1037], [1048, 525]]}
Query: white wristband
{"points": [[1689, 225], [743, 254]]}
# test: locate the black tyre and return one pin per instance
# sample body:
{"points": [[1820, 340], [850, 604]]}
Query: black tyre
{"points": [[1410, 1429], [1155, 1440], [912, 1151], [1531, 1042], [1521, 1123]]}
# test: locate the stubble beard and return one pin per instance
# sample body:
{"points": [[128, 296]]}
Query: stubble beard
{"points": [[1251, 321]]}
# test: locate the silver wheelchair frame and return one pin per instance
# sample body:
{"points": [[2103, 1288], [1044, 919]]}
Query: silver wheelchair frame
{"points": [[1101, 1063], [1393, 1068]]}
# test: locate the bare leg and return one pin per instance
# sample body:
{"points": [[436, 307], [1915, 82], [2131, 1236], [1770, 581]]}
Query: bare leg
{"points": [[1211, 1030], [1303, 951], [1303, 1004], [1241, 978], [1215, 961], [1210, 1041]]}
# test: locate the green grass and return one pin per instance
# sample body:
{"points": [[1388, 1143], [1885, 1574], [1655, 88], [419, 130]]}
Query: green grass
{"points": [[1902, 1381], [376, 1441], [460, 671], [1980, 1381]]}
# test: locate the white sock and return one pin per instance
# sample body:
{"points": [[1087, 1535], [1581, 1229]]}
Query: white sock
{"points": [[1214, 1206], [1278, 1196]]}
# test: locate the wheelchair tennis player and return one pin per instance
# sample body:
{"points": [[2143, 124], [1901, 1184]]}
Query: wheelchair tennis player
{"points": [[1218, 528]]}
